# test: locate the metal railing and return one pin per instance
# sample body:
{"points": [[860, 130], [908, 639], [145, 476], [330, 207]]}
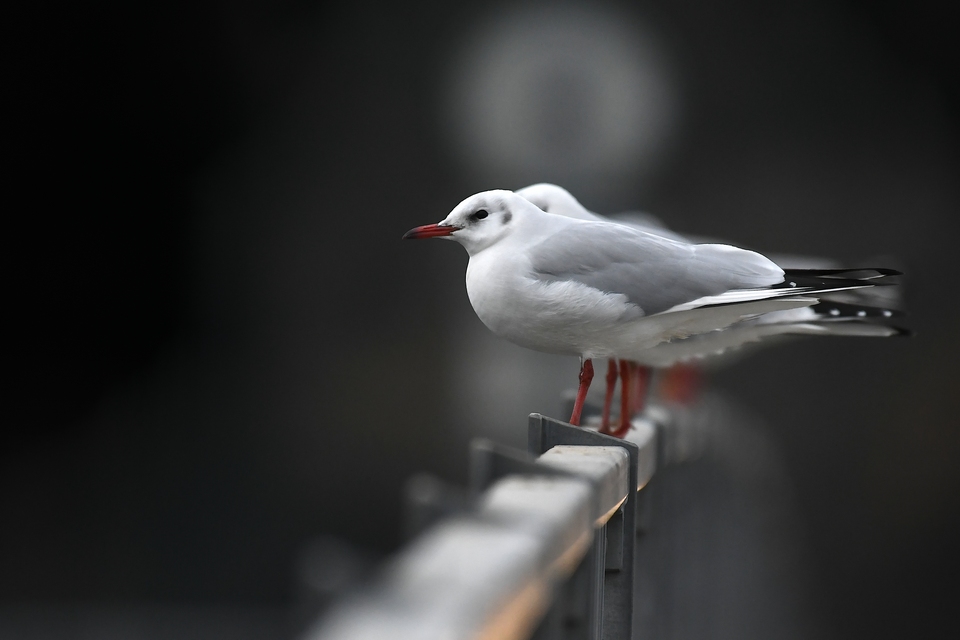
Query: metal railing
{"points": [[544, 548]]}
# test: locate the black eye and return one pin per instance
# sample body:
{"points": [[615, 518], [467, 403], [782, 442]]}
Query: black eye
{"points": [[480, 214]]}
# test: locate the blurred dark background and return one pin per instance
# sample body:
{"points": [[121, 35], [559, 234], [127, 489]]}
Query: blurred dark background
{"points": [[221, 351]]}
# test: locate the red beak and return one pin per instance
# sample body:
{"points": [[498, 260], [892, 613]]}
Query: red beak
{"points": [[429, 231]]}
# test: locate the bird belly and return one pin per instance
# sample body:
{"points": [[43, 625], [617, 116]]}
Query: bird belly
{"points": [[554, 317]]}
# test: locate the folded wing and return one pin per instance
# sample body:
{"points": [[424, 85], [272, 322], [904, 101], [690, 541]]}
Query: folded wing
{"points": [[655, 273]]}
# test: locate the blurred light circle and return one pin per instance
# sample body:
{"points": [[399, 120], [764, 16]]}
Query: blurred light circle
{"points": [[569, 93]]}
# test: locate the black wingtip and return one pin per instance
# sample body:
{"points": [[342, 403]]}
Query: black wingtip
{"points": [[852, 272], [902, 332]]}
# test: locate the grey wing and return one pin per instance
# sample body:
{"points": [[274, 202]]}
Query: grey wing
{"points": [[653, 272], [646, 222]]}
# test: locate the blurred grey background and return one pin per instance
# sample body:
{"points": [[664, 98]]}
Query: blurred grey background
{"points": [[222, 353]]}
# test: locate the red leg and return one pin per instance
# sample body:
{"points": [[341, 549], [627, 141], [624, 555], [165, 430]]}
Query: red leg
{"points": [[586, 376], [608, 400]]}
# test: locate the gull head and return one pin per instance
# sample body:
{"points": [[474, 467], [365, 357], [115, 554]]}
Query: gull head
{"points": [[557, 200], [480, 221]]}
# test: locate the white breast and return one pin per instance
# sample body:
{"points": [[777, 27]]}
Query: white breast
{"points": [[556, 317]]}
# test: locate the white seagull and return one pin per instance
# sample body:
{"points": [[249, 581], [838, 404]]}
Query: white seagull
{"points": [[598, 289], [839, 318]]}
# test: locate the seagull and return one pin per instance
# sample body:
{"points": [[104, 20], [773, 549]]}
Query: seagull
{"points": [[634, 377], [821, 319], [597, 289]]}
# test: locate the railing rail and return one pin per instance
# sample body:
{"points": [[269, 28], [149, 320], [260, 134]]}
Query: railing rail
{"points": [[545, 548]]}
